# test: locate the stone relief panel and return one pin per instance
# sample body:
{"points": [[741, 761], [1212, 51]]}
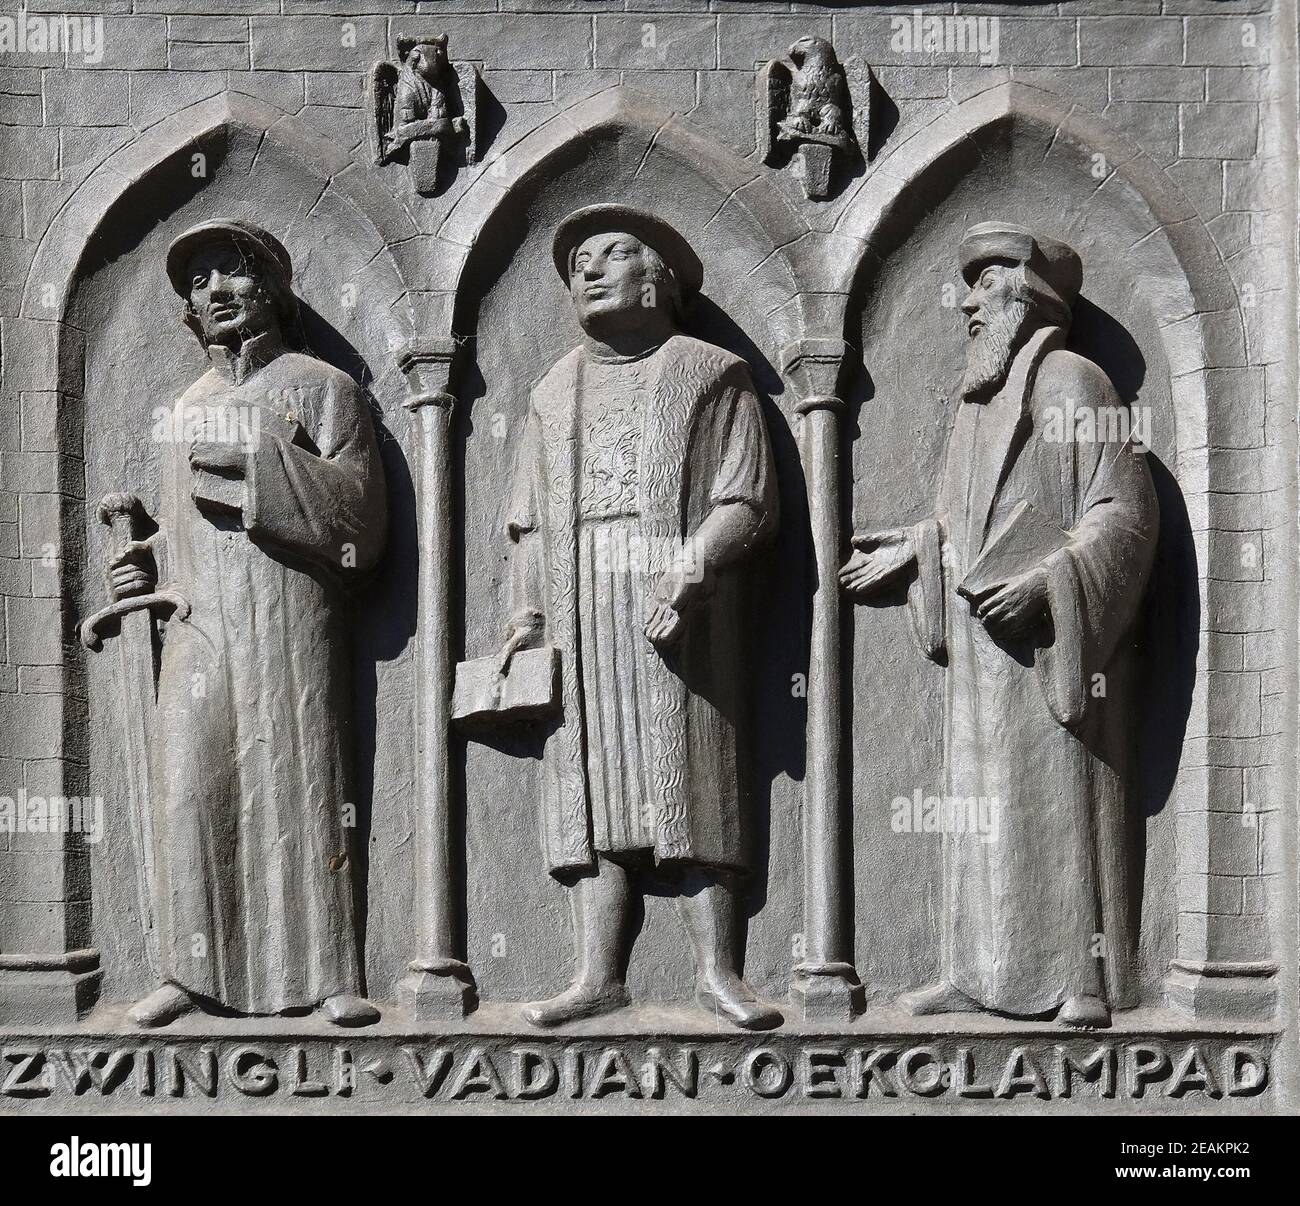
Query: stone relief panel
{"points": [[621, 615]]}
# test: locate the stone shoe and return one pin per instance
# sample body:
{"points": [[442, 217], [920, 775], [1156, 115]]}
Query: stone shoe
{"points": [[576, 1002], [165, 1004], [729, 997], [1084, 1013], [344, 1009], [937, 998]]}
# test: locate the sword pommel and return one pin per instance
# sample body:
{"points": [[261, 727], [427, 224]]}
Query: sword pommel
{"points": [[119, 510]]}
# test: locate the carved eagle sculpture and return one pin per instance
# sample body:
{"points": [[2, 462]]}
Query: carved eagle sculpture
{"points": [[810, 99]]}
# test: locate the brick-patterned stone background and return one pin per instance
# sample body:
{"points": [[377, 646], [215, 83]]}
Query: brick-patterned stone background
{"points": [[1195, 83]]}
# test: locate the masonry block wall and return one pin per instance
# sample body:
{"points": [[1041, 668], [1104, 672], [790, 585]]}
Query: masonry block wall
{"points": [[1198, 85]]}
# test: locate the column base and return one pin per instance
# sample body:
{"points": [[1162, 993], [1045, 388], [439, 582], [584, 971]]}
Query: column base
{"points": [[1222, 990], [826, 992], [48, 990], [437, 990]]}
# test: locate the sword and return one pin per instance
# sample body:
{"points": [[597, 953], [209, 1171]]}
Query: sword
{"points": [[137, 649]]}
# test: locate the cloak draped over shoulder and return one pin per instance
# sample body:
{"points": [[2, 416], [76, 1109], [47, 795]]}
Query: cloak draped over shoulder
{"points": [[1038, 914]]}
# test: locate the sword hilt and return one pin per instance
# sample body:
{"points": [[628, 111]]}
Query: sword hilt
{"points": [[164, 603], [123, 513]]}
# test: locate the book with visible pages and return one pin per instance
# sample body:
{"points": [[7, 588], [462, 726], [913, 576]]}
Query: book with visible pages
{"points": [[1022, 542]]}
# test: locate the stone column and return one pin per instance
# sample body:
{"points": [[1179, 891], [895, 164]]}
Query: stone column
{"points": [[49, 975], [824, 984], [1230, 786], [440, 985]]}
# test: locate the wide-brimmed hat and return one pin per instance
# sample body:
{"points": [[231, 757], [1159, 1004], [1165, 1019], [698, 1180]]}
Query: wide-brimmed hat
{"points": [[243, 234], [651, 230], [1051, 267]]}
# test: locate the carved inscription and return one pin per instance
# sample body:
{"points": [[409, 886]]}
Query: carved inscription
{"points": [[499, 1069]]}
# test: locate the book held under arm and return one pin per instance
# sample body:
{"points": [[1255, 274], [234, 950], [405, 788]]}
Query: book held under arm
{"points": [[214, 490], [1025, 540]]}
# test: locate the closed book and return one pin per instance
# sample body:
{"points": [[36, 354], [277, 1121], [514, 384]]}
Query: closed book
{"points": [[1022, 542], [528, 690], [216, 490]]}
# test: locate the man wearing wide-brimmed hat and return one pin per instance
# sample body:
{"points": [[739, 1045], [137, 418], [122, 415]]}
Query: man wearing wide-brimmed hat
{"points": [[645, 481], [272, 497], [1027, 581]]}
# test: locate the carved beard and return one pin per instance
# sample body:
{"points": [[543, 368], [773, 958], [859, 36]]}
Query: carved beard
{"points": [[990, 352]]}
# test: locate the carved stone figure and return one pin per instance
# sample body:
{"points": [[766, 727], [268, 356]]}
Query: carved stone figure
{"points": [[418, 112], [645, 481], [805, 108], [272, 497], [1026, 580]]}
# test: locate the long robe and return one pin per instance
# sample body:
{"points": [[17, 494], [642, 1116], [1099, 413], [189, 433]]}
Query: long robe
{"points": [[702, 444], [254, 889], [1039, 726]]}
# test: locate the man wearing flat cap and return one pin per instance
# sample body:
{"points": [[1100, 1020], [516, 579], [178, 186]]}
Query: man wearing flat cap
{"points": [[644, 483], [1026, 582], [272, 497]]}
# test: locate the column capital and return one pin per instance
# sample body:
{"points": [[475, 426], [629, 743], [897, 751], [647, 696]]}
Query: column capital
{"points": [[815, 367], [427, 364]]}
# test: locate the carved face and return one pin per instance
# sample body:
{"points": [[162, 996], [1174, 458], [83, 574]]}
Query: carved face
{"points": [[228, 297], [616, 276], [997, 308], [427, 59]]}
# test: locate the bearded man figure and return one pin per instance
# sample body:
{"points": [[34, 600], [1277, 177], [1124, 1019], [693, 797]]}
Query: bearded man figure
{"points": [[645, 483], [1027, 580]]}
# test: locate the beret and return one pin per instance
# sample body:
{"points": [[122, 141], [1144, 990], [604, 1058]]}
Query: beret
{"points": [[243, 234], [651, 230], [1056, 265]]}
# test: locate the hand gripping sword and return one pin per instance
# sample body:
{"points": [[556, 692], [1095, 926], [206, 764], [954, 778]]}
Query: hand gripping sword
{"points": [[137, 649]]}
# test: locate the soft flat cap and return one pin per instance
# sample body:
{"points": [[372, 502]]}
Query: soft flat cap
{"points": [[243, 234], [1055, 264], [651, 230]]}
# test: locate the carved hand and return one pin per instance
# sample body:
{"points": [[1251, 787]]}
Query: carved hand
{"points": [[1015, 607], [887, 554], [675, 591], [523, 630], [663, 624], [131, 572]]}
